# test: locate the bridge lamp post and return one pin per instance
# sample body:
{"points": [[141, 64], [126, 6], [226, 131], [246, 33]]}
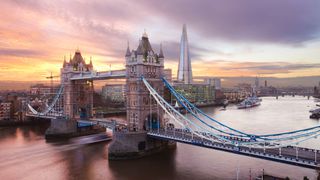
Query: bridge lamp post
{"points": [[158, 118], [279, 151], [174, 132], [182, 131], [149, 123], [202, 137], [315, 156], [165, 127], [192, 135], [150, 116], [297, 153]]}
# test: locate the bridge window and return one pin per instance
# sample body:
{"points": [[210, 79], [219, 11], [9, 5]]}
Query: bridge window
{"points": [[134, 119], [145, 101], [134, 102], [133, 69]]}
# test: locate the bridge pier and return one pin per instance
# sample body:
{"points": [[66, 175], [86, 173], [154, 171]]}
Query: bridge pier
{"points": [[61, 127], [132, 145]]}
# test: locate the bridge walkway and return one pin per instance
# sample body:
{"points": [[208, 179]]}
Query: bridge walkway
{"points": [[304, 157]]}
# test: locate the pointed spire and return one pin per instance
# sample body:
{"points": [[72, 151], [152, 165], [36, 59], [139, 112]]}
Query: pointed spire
{"points": [[139, 49], [161, 52], [184, 70], [90, 64], [144, 35], [184, 29], [128, 53], [64, 61]]}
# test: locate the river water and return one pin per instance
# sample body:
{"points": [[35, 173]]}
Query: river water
{"points": [[24, 153]]}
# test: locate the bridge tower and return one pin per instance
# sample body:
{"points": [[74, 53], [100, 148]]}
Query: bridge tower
{"points": [[142, 114], [78, 94], [142, 110]]}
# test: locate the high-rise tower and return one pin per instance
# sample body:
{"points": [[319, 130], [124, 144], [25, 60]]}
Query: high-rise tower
{"points": [[184, 69]]}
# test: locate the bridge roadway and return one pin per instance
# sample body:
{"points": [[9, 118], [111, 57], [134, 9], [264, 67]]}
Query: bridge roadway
{"points": [[107, 123], [298, 156]]}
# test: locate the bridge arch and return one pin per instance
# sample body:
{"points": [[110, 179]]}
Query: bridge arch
{"points": [[152, 121]]}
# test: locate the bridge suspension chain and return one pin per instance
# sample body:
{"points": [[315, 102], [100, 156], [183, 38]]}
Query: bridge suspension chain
{"points": [[51, 109], [196, 112], [179, 118], [242, 139]]}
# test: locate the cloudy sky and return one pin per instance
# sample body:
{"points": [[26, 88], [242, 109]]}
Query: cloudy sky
{"points": [[278, 38]]}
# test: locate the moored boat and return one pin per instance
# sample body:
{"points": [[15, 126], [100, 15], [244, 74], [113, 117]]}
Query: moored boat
{"points": [[315, 113], [249, 102]]}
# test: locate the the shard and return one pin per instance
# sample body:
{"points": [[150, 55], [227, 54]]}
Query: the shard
{"points": [[184, 69]]}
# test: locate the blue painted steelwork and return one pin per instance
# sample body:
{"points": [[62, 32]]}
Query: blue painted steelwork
{"points": [[273, 156], [235, 137], [181, 99], [84, 124]]}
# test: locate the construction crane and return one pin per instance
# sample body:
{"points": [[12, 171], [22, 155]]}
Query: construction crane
{"points": [[51, 78]]}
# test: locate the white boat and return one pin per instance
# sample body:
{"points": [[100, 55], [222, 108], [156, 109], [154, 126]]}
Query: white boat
{"points": [[315, 113], [249, 102], [317, 110]]}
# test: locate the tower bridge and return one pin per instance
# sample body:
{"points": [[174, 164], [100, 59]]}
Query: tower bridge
{"points": [[152, 123]]}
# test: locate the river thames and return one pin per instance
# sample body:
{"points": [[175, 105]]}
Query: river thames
{"points": [[24, 153]]}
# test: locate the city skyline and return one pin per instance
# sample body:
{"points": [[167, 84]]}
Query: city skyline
{"points": [[226, 39], [149, 89]]}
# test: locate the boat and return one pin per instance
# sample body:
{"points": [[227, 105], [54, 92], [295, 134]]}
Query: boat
{"points": [[225, 103], [90, 139], [315, 113], [315, 110], [249, 102]]}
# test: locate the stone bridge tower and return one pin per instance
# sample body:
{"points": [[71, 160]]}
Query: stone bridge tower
{"points": [[143, 112], [78, 94], [77, 97]]}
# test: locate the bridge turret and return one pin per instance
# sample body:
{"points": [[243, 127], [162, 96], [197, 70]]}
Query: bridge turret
{"points": [[161, 56]]}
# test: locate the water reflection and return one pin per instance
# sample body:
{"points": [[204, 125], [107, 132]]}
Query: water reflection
{"points": [[160, 166]]}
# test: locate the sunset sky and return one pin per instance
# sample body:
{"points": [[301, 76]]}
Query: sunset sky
{"points": [[279, 38]]}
